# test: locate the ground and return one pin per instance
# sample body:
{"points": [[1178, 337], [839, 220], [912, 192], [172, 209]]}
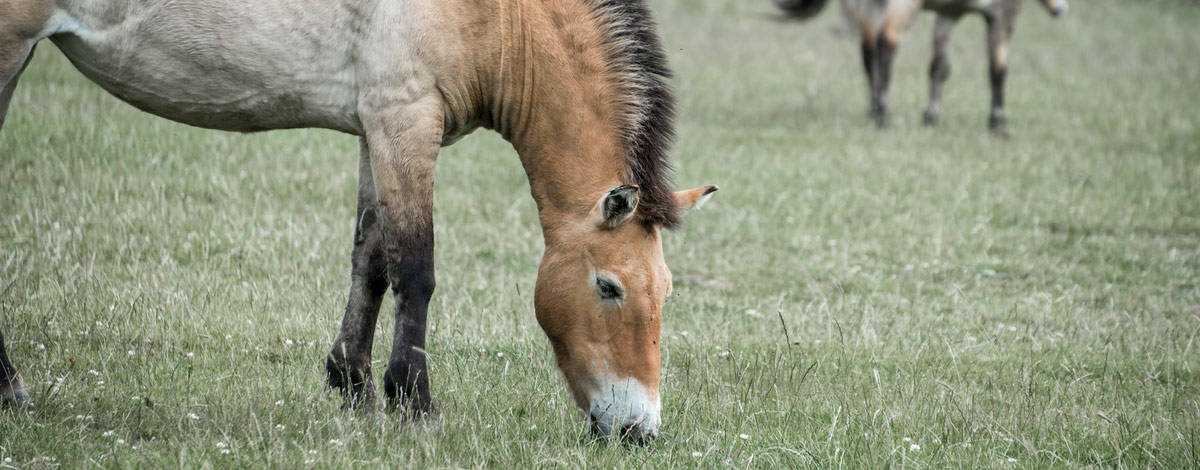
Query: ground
{"points": [[851, 298]]}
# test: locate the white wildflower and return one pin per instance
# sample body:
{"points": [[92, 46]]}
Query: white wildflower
{"points": [[336, 442], [280, 427], [41, 347], [120, 442], [914, 447], [744, 437], [279, 403], [697, 454], [222, 445], [190, 356], [94, 372], [289, 342], [193, 416], [109, 433], [130, 353]]}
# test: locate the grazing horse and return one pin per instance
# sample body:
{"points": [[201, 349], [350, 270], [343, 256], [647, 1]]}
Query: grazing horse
{"points": [[881, 23], [577, 87]]}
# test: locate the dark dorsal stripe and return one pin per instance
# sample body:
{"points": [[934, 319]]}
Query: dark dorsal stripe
{"points": [[637, 55]]}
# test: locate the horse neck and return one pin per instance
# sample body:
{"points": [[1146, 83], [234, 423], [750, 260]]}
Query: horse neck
{"points": [[553, 104]]}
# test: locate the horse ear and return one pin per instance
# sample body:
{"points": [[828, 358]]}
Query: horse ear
{"points": [[694, 198], [617, 205]]}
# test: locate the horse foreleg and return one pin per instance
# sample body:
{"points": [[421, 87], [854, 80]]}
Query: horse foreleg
{"points": [[349, 362], [403, 142], [939, 68], [999, 30], [12, 389], [14, 57], [897, 18]]}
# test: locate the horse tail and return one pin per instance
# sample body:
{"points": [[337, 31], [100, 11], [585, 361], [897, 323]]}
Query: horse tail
{"points": [[801, 9]]}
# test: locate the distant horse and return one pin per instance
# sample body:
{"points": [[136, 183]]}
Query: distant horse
{"points": [[575, 85], [881, 23]]}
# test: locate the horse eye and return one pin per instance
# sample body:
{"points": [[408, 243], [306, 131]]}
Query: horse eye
{"points": [[608, 289]]}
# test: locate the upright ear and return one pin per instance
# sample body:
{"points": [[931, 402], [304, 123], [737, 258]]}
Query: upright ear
{"points": [[694, 198], [617, 206]]}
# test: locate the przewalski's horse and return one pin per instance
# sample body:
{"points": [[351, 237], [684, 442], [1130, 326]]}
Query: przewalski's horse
{"points": [[575, 85], [881, 24]]}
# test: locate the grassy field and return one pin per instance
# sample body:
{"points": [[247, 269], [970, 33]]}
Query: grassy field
{"points": [[953, 300]]}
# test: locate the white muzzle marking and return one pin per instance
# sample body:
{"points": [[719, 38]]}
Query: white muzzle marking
{"points": [[624, 407]]}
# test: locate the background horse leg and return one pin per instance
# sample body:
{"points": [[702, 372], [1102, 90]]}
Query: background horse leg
{"points": [[897, 18], [404, 141], [870, 62], [999, 30], [14, 57], [12, 389], [349, 361], [939, 69]]}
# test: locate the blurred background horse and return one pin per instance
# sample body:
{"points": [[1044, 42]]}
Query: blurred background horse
{"points": [[881, 23]]}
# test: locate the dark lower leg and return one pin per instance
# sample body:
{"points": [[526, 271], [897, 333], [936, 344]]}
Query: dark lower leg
{"points": [[406, 382], [996, 120], [11, 387], [870, 66], [939, 69], [349, 363], [886, 51]]}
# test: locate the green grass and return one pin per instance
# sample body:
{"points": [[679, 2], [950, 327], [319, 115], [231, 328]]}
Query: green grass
{"points": [[1030, 302]]}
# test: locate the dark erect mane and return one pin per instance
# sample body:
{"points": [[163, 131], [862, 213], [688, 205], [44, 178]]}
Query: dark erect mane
{"points": [[638, 62]]}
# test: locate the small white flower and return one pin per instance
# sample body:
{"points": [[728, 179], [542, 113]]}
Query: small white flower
{"points": [[135, 398], [914, 447], [907, 439], [499, 354], [289, 342], [41, 347], [280, 427], [130, 353], [100, 383], [190, 356], [228, 337], [279, 403], [120, 442], [336, 442], [312, 452], [1012, 460], [697, 454], [224, 451], [109, 433], [724, 353], [683, 333], [222, 445], [744, 437], [94, 372], [8, 460], [192, 416]]}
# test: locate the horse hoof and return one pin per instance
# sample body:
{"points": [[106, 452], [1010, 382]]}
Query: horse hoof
{"points": [[17, 397], [930, 119]]}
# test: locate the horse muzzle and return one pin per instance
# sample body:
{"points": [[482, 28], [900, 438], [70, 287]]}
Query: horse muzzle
{"points": [[625, 409]]}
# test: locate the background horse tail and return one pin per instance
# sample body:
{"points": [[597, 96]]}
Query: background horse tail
{"points": [[801, 9]]}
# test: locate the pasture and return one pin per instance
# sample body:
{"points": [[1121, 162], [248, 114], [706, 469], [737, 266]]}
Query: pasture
{"points": [[851, 298]]}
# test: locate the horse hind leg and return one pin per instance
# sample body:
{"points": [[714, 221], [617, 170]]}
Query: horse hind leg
{"points": [[349, 363], [897, 18], [12, 389], [999, 30], [939, 68]]}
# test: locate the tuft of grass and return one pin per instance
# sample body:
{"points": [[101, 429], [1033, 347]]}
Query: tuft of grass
{"points": [[852, 298]]}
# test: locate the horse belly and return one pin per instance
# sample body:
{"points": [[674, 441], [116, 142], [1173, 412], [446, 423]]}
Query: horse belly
{"points": [[219, 68]]}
